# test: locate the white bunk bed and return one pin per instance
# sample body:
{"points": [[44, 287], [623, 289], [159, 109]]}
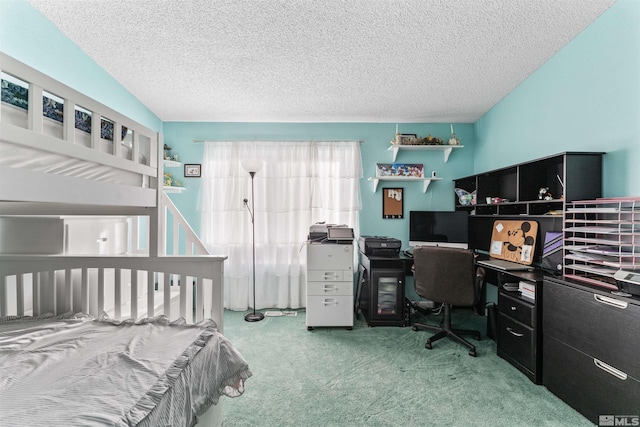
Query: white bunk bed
{"points": [[54, 163]]}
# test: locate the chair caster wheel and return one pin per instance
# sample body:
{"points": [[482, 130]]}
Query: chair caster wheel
{"points": [[414, 328], [472, 353], [428, 345], [477, 337]]}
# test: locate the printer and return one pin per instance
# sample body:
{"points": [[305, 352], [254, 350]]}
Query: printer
{"points": [[385, 247], [330, 233]]}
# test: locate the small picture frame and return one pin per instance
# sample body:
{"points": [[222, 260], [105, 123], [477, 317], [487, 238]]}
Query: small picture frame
{"points": [[392, 203], [192, 170], [408, 139]]}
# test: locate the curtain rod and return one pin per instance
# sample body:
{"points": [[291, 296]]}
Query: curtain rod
{"points": [[278, 140]]}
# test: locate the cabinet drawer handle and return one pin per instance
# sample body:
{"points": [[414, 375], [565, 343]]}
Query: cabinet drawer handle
{"points": [[330, 288], [330, 302], [610, 301], [610, 369], [512, 332], [513, 308]]}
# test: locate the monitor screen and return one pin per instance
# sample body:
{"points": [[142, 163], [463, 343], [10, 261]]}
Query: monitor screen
{"points": [[441, 228]]}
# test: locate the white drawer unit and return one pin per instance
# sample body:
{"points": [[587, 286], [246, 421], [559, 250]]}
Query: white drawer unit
{"points": [[329, 285]]}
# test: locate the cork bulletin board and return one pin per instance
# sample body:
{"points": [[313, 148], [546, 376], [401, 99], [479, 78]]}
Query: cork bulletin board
{"points": [[514, 241], [392, 203]]}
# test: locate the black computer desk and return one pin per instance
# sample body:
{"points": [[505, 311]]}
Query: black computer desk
{"points": [[519, 320]]}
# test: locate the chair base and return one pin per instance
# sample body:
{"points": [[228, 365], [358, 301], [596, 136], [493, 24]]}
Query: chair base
{"points": [[445, 330]]}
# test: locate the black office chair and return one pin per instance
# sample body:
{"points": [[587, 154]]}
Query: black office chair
{"points": [[448, 276]]}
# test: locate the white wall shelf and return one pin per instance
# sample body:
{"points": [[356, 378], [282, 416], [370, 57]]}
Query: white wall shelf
{"points": [[447, 149], [426, 181], [172, 164], [172, 189]]}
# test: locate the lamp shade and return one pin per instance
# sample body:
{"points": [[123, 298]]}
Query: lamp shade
{"points": [[252, 165]]}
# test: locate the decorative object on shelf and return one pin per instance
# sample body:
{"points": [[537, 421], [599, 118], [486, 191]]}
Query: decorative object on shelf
{"points": [[465, 198], [392, 203], [167, 152], [415, 170], [168, 179], [398, 139], [253, 167], [192, 170], [453, 140], [498, 200], [430, 140], [405, 139], [413, 139], [544, 194]]}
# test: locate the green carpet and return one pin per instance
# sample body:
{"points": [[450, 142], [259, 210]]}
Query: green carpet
{"points": [[381, 376]]}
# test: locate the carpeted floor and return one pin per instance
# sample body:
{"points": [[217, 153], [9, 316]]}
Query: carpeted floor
{"points": [[381, 376]]}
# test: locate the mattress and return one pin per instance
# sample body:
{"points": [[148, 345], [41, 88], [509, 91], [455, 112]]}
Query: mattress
{"points": [[77, 370]]}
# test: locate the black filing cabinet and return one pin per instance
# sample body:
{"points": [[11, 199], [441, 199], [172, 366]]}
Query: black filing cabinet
{"points": [[592, 348], [519, 328]]}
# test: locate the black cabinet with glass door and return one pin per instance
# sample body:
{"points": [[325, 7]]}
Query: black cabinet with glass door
{"points": [[380, 296]]}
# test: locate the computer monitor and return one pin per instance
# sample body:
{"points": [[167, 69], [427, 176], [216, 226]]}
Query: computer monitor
{"points": [[439, 228]]}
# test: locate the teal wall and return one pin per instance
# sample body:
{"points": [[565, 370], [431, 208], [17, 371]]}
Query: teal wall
{"points": [[585, 98], [376, 140], [30, 38]]}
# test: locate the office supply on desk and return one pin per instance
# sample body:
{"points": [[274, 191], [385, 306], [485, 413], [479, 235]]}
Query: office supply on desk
{"points": [[378, 246], [512, 245], [447, 275]]}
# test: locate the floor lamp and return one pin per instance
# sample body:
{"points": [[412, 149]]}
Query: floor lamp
{"points": [[253, 166]]}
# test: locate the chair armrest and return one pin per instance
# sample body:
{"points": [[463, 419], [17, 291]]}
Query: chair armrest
{"points": [[480, 273]]}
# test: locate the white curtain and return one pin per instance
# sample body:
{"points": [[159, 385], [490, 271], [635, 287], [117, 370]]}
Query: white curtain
{"points": [[300, 184]]}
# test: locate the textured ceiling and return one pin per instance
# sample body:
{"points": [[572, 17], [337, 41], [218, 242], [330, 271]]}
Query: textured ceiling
{"points": [[321, 60]]}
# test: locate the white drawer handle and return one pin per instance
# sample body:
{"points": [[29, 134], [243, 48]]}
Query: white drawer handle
{"points": [[512, 332], [513, 308], [610, 369], [330, 302], [330, 288], [610, 301]]}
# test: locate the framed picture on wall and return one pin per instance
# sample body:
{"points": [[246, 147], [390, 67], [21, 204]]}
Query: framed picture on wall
{"points": [[392, 203], [192, 171]]}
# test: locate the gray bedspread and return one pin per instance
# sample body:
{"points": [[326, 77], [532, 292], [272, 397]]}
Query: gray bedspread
{"points": [[76, 370]]}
